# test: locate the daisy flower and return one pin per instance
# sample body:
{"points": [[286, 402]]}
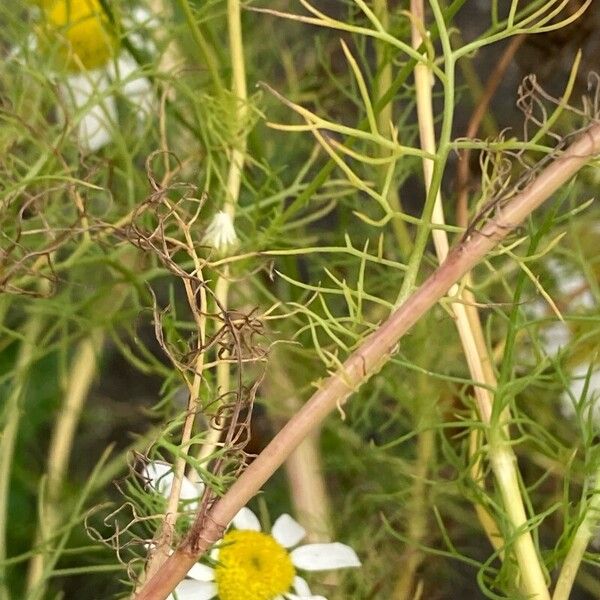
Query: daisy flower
{"points": [[254, 565], [250, 563], [91, 66]]}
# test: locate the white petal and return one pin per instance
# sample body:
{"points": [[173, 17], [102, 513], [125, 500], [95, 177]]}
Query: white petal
{"points": [[20, 52], [135, 88], [579, 377], [154, 470], [554, 337], [194, 590], [584, 300], [142, 16], [311, 597], [322, 557], [88, 94], [247, 520], [287, 531], [94, 130], [139, 22], [191, 491], [301, 587], [201, 572], [123, 68], [160, 477]]}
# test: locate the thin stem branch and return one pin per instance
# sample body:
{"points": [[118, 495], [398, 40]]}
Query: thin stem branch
{"points": [[79, 380], [501, 456], [206, 51], [196, 294], [462, 180], [437, 169], [308, 490], [234, 182], [417, 529], [12, 418], [584, 534], [385, 124]]}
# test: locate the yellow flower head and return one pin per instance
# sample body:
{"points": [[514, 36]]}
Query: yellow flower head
{"points": [[252, 566], [82, 30]]}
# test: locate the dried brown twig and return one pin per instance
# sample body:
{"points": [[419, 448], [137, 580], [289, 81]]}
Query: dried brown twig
{"points": [[462, 174], [165, 225]]}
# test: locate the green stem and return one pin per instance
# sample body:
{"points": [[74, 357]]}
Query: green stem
{"points": [[80, 379], [422, 236], [234, 183], [206, 51], [385, 120], [12, 412], [580, 542], [503, 462]]}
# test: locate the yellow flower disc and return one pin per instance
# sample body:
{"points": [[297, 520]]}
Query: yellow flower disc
{"points": [[82, 27], [252, 566]]}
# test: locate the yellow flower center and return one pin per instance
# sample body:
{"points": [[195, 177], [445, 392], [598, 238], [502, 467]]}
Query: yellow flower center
{"points": [[252, 566], [83, 29]]}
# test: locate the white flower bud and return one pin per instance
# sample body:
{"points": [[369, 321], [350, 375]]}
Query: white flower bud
{"points": [[220, 234]]}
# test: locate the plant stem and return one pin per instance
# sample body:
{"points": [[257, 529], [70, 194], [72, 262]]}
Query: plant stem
{"points": [[196, 294], [206, 51], [368, 359], [580, 542], [479, 114], [469, 329], [412, 556], [12, 417], [308, 489], [232, 192], [385, 123], [79, 380], [437, 169]]}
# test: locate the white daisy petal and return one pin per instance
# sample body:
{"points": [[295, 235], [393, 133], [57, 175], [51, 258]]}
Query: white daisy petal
{"points": [[194, 590], [301, 587], [201, 572], [88, 92], [135, 88], [142, 16], [191, 491], [554, 337], [287, 531], [311, 597], [160, 478], [247, 520], [323, 557], [579, 383], [94, 130], [140, 21], [20, 52]]}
